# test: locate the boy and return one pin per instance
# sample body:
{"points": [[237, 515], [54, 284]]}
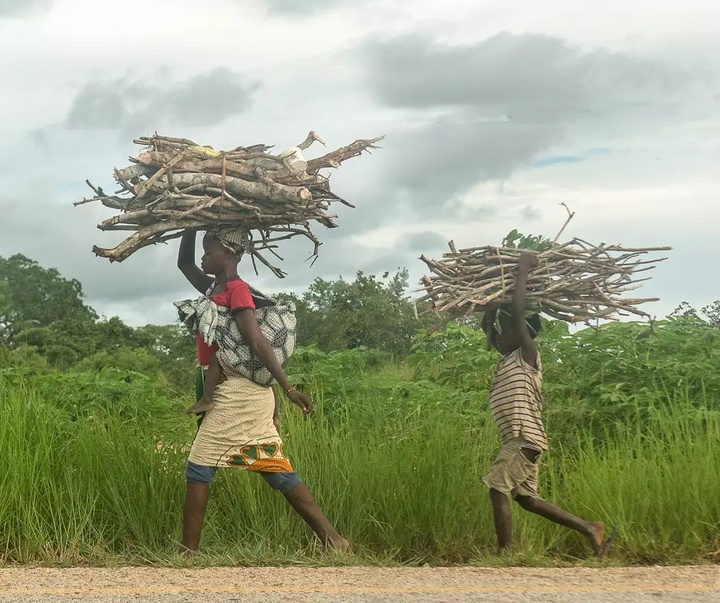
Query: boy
{"points": [[516, 405]]}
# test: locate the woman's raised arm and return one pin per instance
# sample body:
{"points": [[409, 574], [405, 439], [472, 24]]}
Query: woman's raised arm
{"points": [[186, 263]]}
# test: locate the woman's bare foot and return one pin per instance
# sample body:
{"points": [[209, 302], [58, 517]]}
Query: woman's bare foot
{"points": [[338, 544], [187, 553], [200, 407]]}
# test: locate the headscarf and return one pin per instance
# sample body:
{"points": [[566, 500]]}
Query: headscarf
{"points": [[236, 240]]}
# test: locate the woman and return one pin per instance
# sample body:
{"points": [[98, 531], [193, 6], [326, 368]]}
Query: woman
{"points": [[240, 430]]}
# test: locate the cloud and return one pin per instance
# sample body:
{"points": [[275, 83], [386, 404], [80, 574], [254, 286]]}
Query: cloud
{"points": [[299, 7], [531, 213], [97, 107], [482, 111], [61, 236], [484, 134], [441, 160], [420, 242], [529, 77], [11, 8], [206, 99]]}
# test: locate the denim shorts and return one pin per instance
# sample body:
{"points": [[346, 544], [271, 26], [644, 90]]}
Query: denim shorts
{"points": [[201, 474]]}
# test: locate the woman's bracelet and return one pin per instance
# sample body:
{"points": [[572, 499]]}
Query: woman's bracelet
{"points": [[290, 389]]}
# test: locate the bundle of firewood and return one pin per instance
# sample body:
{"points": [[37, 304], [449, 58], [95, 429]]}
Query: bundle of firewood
{"points": [[575, 281], [175, 184]]}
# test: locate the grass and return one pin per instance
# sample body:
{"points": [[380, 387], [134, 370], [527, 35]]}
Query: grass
{"points": [[395, 463]]}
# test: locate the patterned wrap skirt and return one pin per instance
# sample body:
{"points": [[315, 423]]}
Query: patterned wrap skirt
{"points": [[239, 431]]}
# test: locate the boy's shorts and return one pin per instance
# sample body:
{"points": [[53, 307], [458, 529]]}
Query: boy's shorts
{"points": [[512, 473]]}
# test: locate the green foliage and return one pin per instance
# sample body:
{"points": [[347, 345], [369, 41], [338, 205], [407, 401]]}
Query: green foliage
{"points": [[620, 367], [709, 315], [456, 356], [135, 360], [712, 312], [93, 455], [517, 240], [22, 359], [94, 461], [174, 351], [367, 312], [35, 297], [66, 341], [44, 312], [127, 394], [594, 376], [168, 342]]}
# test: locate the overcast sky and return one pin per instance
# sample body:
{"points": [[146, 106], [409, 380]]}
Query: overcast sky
{"points": [[494, 113]]}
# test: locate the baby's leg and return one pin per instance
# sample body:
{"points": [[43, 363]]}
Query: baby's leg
{"points": [[212, 377]]}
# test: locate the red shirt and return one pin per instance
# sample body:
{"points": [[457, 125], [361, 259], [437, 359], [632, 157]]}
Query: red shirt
{"points": [[235, 296]]}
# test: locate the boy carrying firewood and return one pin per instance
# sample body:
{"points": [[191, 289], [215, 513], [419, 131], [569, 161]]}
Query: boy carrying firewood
{"points": [[516, 405]]}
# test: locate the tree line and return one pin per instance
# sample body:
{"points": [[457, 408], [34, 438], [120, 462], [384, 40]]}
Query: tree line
{"points": [[45, 316]]}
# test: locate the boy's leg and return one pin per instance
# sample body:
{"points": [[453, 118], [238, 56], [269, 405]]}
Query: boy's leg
{"points": [[593, 531], [503, 519], [501, 480], [300, 498]]}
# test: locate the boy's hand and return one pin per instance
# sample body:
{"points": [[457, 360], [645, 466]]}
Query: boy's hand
{"points": [[527, 261]]}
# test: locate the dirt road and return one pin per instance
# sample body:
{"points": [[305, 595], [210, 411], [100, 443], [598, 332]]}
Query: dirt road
{"points": [[361, 584]]}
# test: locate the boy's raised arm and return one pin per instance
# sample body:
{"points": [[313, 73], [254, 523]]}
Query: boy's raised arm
{"points": [[527, 344]]}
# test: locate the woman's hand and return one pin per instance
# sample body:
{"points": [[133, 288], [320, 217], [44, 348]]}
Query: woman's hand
{"points": [[302, 400]]}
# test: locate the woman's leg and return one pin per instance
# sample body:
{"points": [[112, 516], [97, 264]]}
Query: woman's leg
{"points": [[196, 501], [300, 498], [197, 496]]}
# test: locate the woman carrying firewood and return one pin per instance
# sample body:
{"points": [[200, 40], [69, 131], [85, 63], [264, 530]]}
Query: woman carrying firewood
{"points": [[516, 406], [239, 430]]}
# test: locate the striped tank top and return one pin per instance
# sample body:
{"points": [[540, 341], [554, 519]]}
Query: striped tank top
{"points": [[516, 402]]}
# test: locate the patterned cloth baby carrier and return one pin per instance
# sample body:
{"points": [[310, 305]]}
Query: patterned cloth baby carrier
{"points": [[216, 324]]}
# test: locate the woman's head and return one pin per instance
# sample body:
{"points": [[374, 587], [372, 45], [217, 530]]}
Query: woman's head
{"points": [[501, 332], [223, 249]]}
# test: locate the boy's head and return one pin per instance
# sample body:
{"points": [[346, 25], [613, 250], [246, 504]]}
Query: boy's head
{"points": [[501, 332]]}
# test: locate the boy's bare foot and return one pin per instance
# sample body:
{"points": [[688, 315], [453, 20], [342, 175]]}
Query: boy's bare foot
{"points": [[596, 535], [200, 407], [598, 542]]}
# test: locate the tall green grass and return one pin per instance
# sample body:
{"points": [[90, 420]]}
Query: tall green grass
{"points": [[394, 459]]}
